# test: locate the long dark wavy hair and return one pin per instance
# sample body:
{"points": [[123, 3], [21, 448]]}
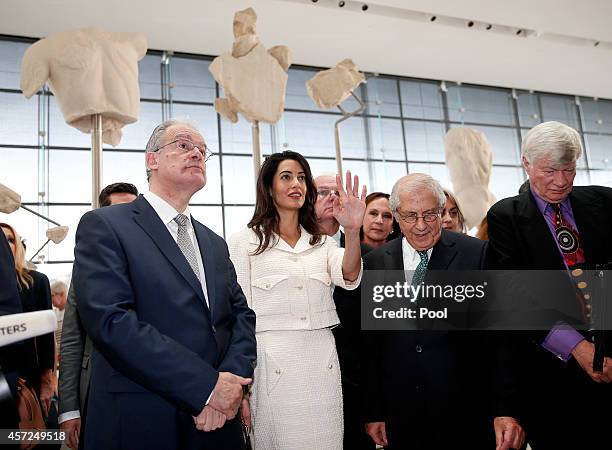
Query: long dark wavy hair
{"points": [[265, 218]]}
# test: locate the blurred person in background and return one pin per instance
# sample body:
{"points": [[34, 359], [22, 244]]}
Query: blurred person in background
{"points": [[378, 220], [452, 218], [37, 355]]}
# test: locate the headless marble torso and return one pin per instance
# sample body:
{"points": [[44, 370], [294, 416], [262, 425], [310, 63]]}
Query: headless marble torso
{"points": [[90, 71]]}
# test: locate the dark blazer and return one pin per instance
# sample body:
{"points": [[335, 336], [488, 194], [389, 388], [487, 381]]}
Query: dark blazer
{"points": [[158, 347], [38, 353], [431, 388], [75, 354], [557, 393], [10, 303]]}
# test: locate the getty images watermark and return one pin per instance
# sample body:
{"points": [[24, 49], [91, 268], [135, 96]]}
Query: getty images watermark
{"points": [[407, 292], [486, 300]]}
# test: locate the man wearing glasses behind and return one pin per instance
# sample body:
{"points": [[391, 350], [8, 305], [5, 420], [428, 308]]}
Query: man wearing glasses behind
{"points": [[174, 339], [428, 389]]}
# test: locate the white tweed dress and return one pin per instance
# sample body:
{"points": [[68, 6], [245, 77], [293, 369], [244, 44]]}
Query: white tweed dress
{"points": [[296, 401]]}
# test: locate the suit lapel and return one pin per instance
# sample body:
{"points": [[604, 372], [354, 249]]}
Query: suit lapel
{"points": [[588, 214], [208, 258], [146, 217], [442, 254]]}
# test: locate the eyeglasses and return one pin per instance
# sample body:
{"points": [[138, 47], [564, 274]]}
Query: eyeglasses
{"points": [[322, 193], [185, 146], [413, 218]]}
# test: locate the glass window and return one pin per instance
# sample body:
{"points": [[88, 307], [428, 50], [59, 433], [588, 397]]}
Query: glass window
{"points": [[528, 110], [191, 80], [561, 108], [209, 216], [598, 151], [211, 193], [504, 143], [297, 96], [69, 176], [204, 117], [236, 219], [424, 140], [149, 76], [60, 133], [597, 115], [386, 139], [27, 225], [421, 100], [62, 271], [18, 119], [481, 105], [382, 97], [313, 135], [385, 175], [136, 135], [324, 166], [124, 167], [11, 54], [600, 177], [437, 171], [68, 215], [19, 172], [238, 168], [505, 181], [238, 137]]}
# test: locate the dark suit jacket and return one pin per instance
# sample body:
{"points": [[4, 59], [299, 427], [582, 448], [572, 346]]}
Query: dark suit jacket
{"points": [[75, 354], [519, 238], [158, 347], [431, 388]]}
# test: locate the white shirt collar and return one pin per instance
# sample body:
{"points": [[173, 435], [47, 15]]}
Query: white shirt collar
{"points": [[410, 253], [164, 210]]}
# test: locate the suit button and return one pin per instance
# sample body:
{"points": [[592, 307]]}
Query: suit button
{"points": [[300, 287], [331, 366], [418, 349], [278, 372], [214, 329], [303, 318], [267, 286], [294, 259]]}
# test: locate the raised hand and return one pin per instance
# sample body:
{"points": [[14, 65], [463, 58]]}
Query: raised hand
{"points": [[348, 208]]}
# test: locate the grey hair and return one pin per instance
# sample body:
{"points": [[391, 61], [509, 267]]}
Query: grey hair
{"points": [[157, 135], [415, 182], [58, 286], [555, 140]]}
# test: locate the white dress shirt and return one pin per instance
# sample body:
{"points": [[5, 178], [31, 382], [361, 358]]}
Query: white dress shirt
{"points": [[167, 213], [411, 258]]}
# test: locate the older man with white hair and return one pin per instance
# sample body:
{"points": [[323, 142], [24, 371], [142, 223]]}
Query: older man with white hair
{"points": [[555, 225], [431, 389]]}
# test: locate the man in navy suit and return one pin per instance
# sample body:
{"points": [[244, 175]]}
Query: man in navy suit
{"points": [[174, 339]]}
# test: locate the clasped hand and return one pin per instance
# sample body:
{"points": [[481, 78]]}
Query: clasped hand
{"points": [[224, 402]]}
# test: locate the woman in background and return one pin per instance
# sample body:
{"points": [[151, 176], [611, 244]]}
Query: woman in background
{"points": [[452, 219], [37, 355], [286, 267], [377, 220]]}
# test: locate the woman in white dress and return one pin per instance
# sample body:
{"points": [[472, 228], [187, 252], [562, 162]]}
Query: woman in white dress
{"points": [[286, 269]]}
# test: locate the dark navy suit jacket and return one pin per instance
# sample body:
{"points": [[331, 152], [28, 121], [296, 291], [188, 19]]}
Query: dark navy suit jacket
{"points": [[158, 346]]}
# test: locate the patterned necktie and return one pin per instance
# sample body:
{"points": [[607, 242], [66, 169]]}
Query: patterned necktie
{"points": [[186, 244], [570, 244], [568, 239], [419, 272]]}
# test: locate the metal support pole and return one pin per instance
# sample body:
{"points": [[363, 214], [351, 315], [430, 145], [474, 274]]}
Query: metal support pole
{"points": [[345, 115], [96, 159], [256, 149]]}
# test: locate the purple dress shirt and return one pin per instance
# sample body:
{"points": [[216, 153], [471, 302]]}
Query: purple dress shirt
{"points": [[562, 339]]}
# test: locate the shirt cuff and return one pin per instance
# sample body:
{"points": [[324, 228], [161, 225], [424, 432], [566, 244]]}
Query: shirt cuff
{"points": [[208, 399], [561, 340], [68, 415]]}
